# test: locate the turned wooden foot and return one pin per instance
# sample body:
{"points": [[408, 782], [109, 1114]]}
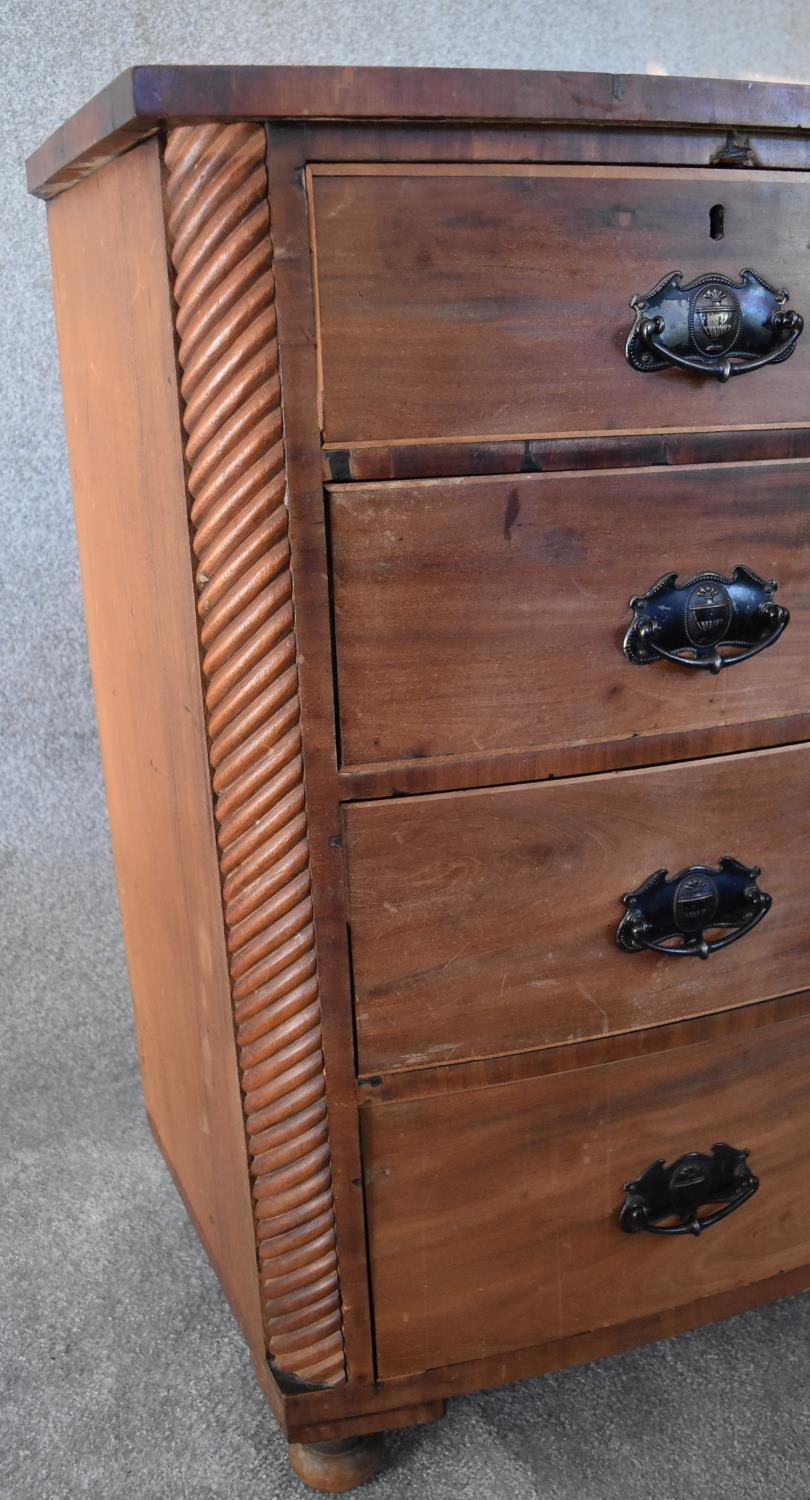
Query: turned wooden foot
{"points": [[339, 1466]]}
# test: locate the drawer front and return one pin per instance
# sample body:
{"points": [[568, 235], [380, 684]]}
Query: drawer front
{"points": [[493, 1213], [488, 301], [485, 922], [483, 616]]}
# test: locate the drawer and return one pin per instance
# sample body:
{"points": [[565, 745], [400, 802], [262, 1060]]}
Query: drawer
{"points": [[493, 1212], [485, 922], [482, 616], [494, 301]]}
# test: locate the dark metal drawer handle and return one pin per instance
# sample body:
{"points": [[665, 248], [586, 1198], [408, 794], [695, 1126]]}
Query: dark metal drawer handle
{"points": [[687, 622], [712, 325], [671, 914], [676, 1192]]}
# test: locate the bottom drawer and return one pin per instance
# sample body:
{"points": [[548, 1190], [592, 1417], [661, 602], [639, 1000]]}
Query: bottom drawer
{"points": [[493, 1212]]}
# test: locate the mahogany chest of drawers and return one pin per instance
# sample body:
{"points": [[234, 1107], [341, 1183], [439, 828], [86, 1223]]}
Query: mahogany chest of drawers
{"points": [[385, 392]]}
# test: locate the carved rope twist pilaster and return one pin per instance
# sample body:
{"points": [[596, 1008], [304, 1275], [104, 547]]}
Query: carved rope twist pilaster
{"points": [[224, 287]]}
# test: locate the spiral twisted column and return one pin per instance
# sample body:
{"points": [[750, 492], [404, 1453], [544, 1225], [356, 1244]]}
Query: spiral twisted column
{"points": [[221, 250]]}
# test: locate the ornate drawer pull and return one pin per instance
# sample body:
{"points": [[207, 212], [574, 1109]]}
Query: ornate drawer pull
{"points": [[712, 326], [700, 615], [678, 1191], [687, 905]]}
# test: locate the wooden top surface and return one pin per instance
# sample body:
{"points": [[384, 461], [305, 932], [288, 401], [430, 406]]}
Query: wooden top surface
{"points": [[142, 99]]}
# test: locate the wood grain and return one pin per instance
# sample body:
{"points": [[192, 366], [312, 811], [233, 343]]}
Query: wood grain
{"points": [[503, 603], [362, 1422], [313, 632], [219, 232], [457, 301], [114, 324], [555, 1354], [143, 98], [337, 1466], [510, 887], [508, 1235], [446, 460], [628, 145], [484, 922], [510, 1067], [452, 773]]}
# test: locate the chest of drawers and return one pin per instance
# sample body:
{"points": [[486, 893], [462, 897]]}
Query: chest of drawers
{"points": [[385, 392]]}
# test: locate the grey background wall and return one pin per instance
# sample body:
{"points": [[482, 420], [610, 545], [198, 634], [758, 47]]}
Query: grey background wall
{"points": [[120, 1371]]}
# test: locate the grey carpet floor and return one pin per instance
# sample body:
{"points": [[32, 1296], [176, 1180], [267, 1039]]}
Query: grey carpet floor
{"points": [[123, 1375]]}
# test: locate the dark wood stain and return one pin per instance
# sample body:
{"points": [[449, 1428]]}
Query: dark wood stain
{"points": [[511, 513], [446, 460]]}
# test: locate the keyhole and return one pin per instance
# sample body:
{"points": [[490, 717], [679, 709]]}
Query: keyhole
{"points": [[717, 227]]}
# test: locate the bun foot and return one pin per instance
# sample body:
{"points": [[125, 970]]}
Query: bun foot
{"points": [[337, 1467]]}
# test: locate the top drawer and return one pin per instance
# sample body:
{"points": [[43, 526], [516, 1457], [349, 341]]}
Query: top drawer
{"points": [[493, 301]]}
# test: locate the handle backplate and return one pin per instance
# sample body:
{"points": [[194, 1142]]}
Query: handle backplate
{"points": [[671, 914], [666, 1199], [688, 622], [712, 325]]}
